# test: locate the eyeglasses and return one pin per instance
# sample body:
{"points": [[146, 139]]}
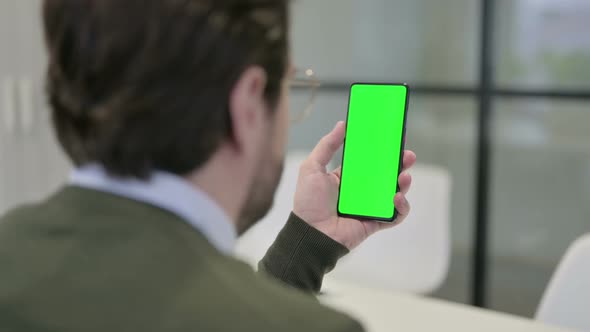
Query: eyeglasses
{"points": [[304, 79]]}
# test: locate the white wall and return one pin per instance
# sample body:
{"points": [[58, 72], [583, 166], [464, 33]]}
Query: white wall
{"points": [[31, 165]]}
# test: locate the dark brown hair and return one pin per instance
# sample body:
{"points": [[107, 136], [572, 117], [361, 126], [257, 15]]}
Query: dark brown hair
{"points": [[138, 85]]}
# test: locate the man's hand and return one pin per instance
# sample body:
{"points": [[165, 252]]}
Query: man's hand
{"points": [[317, 194]]}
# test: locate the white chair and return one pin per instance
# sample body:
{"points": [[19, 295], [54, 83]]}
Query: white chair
{"points": [[566, 301], [411, 257]]}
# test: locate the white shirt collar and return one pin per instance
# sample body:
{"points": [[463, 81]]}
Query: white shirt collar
{"points": [[168, 192]]}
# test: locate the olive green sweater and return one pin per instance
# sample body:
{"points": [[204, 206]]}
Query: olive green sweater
{"points": [[85, 260]]}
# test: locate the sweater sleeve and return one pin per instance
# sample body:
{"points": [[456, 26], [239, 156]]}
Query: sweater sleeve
{"points": [[301, 256]]}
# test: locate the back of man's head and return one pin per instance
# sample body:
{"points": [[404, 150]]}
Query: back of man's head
{"points": [[138, 85]]}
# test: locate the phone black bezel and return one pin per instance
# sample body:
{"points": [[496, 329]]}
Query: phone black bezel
{"points": [[401, 159]]}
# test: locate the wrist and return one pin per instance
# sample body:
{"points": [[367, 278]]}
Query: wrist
{"points": [[332, 233]]}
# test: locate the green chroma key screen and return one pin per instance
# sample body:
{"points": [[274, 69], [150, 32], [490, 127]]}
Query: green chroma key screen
{"points": [[372, 150]]}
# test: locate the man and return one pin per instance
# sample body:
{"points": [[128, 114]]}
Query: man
{"points": [[175, 115]]}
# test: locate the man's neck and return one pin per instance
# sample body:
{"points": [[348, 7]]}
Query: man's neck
{"points": [[220, 181]]}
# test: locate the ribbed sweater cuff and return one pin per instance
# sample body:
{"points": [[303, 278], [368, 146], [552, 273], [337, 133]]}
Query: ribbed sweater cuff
{"points": [[301, 255]]}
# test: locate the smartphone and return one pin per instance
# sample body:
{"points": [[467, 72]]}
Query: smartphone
{"points": [[373, 148]]}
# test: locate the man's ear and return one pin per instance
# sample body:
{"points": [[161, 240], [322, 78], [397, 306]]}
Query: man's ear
{"points": [[247, 105]]}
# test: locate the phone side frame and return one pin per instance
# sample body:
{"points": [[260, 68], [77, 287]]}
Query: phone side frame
{"points": [[401, 157]]}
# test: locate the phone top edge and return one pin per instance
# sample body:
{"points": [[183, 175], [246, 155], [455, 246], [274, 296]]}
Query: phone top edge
{"points": [[380, 83]]}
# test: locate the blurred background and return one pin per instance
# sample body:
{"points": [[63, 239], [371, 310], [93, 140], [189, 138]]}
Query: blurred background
{"points": [[501, 100]]}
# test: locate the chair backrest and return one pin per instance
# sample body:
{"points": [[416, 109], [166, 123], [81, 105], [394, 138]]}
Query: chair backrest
{"points": [[566, 301], [415, 255]]}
